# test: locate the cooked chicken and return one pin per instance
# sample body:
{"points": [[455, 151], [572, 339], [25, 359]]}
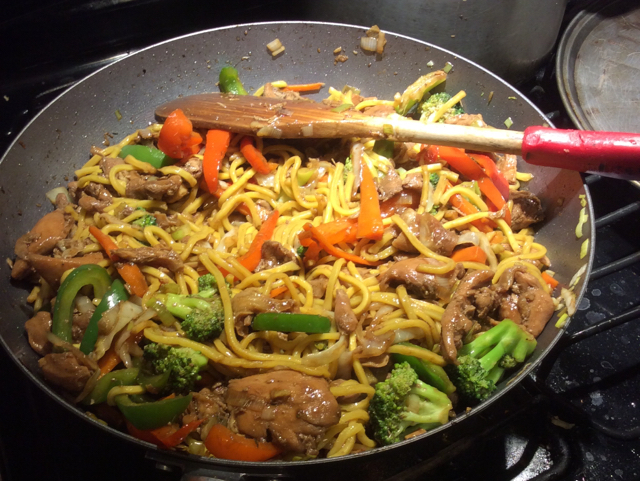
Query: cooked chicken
{"points": [[429, 232], [527, 210], [389, 185], [249, 302], [63, 369], [152, 256], [37, 328], [273, 255], [346, 320]]}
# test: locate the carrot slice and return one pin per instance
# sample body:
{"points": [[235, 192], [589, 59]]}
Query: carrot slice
{"points": [[214, 151], [553, 283], [252, 258], [224, 444], [470, 254], [254, 156], [130, 272], [276, 292], [304, 87], [333, 250], [370, 221]]}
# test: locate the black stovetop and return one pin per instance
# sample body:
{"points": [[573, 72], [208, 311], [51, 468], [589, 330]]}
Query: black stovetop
{"points": [[574, 420]]}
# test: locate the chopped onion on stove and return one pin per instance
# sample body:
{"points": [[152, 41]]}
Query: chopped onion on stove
{"points": [[53, 193], [368, 44], [274, 45]]}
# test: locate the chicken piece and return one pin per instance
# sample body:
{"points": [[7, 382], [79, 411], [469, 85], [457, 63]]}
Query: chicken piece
{"points": [[413, 181], [345, 318], [389, 185], [52, 268], [527, 210], [207, 404], [37, 328], [457, 319], [471, 120], [507, 164], [319, 286], [194, 167], [152, 256], [429, 232], [290, 408], [272, 92], [42, 238], [273, 255], [419, 284], [63, 369], [153, 188], [107, 163]]}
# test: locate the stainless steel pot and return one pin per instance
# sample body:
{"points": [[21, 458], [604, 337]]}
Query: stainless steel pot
{"points": [[57, 141], [509, 37]]}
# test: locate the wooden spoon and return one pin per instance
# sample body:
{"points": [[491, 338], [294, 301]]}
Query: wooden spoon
{"points": [[615, 154]]}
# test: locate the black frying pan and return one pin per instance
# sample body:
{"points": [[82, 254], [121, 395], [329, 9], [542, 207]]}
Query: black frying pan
{"points": [[57, 142]]}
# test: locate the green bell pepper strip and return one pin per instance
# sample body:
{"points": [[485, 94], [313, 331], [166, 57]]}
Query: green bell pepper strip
{"points": [[116, 294], [152, 415], [230, 82], [291, 322], [384, 147], [426, 371], [156, 157], [122, 377], [85, 275], [153, 383]]}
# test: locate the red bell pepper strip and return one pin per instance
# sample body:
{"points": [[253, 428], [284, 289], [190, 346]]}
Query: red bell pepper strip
{"points": [[130, 272], [470, 254], [251, 259], [214, 151], [491, 192], [370, 221], [331, 249], [254, 156], [224, 444], [494, 174], [177, 138], [165, 437], [457, 160]]}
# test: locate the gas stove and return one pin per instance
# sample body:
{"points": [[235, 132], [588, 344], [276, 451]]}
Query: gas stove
{"points": [[575, 418]]}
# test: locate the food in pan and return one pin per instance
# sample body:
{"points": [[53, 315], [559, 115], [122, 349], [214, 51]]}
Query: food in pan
{"points": [[255, 299]]}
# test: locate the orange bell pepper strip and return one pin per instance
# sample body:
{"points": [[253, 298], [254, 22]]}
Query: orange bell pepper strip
{"points": [[214, 151], [490, 191], [251, 259], [370, 220], [130, 272], [304, 87], [494, 174], [224, 444], [553, 283], [177, 138], [457, 160], [254, 156], [341, 230], [331, 249], [470, 254]]}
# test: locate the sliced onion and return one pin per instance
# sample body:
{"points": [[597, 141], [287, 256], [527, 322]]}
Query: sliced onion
{"points": [[77, 353], [327, 356], [356, 158], [126, 312], [345, 365], [430, 201], [121, 347], [274, 45], [269, 131], [84, 304], [486, 247], [468, 237], [88, 387], [569, 300], [368, 44], [266, 180], [403, 335], [221, 247], [53, 193]]}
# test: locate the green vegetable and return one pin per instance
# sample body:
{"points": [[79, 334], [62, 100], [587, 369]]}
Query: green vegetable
{"points": [[426, 371], [434, 179], [301, 251], [178, 234], [152, 415], [163, 314], [414, 92], [348, 167], [434, 103], [85, 275], [403, 404], [154, 383], [121, 377], [114, 296], [145, 220], [182, 363], [305, 174], [384, 148], [291, 322], [203, 319], [342, 108], [150, 155], [483, 361], [230, 82], [207, 285]]}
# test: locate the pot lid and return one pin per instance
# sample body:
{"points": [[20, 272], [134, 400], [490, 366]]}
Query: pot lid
{"points": [[598, 64]]}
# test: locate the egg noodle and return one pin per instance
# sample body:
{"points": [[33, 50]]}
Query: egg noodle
{"points": [[211, 235]]}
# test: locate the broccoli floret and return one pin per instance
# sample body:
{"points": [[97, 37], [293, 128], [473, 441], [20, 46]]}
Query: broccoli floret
{"points": [[182, 363], [435, 102], [301, 251], [434, 179], [145, 220], [207, 285], [203, 319], [403, 404], [484, 360]]}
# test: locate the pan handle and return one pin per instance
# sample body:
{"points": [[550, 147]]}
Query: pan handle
{"points": [[212, 475]]}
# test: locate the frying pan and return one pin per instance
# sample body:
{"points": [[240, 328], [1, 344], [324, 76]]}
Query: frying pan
{"points": [[57, 142]]}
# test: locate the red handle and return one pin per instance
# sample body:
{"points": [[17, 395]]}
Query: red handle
{"points": [[615, 154]]}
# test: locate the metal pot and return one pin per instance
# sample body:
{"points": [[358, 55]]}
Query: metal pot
{"points": [[57, 141], [509, 37]]}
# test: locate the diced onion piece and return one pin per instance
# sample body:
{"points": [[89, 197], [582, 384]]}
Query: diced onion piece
{"points": [[327, 356], [307, 131], [368, 44], [277, 52], [468, 237], [562, 320], [569, 298], [269, 131], [584, 249], [508, 123], [373, 31], [53, 193], [382, 41], [274, 45], [430, 63], [584, 217], [447, 68], [576, 277]]}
